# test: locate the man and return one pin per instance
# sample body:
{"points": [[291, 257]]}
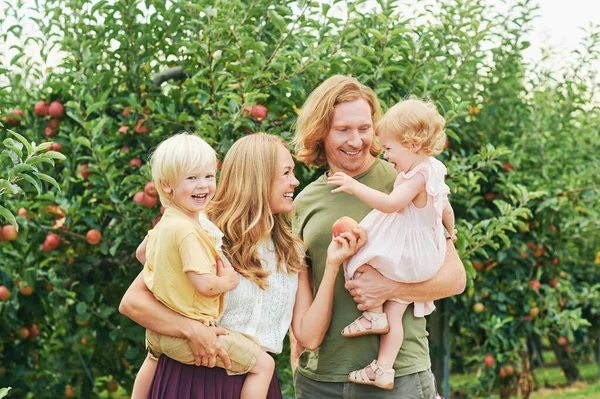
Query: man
{"points": [[336, 128]]}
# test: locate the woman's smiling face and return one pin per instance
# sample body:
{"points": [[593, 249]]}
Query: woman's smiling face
{"points": [[282, 190]]}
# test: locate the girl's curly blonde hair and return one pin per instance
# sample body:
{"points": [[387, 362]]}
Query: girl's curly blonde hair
{"points": [[414, 122]]}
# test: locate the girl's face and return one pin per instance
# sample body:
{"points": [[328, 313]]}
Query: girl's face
{"points": [[192, 192], [401, 157], [282, 190]]}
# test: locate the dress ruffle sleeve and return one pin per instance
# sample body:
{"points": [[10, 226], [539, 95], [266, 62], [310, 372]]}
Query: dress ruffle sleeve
{"points": [[434, 172]]}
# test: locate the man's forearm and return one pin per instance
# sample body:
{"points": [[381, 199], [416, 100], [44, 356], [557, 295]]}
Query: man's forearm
{"points": [[140, 305], [450, 280]]}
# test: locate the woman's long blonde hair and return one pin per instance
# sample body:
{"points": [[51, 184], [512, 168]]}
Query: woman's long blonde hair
{"points": [[240, 208]]}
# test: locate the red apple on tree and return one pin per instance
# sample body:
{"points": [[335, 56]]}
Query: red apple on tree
{"points": [[150, 189], [52, 241], [534, 284], [342, 225], [148, 201], [4, 293], [258, 111], [9, 232], [135, 162], [478, 307], [139, 197], [69, 391], [23, 333], [41, 108], [33, 331], [56, 109], [93, 237], [83, 171], [139, 128], [488, 360], [11, 120], [562, 341]]}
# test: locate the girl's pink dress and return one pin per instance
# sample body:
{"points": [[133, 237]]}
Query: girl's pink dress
{"points": [[408, 246]]}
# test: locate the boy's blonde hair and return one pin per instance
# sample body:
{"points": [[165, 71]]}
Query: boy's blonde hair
{"points": [[316, 116], [241, 210], [176, 156], [413, 122]]}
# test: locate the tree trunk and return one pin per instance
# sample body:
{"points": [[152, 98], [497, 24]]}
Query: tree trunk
{"points": [[565, 362]]}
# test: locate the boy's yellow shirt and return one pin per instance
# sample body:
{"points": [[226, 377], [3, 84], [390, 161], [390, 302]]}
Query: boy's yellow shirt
{"points": [[175, 246]]}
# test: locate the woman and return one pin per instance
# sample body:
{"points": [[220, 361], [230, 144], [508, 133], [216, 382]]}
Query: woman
{"points": [[250, 206]]}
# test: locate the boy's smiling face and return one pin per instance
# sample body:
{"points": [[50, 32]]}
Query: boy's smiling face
{"points": [[192, 191]]}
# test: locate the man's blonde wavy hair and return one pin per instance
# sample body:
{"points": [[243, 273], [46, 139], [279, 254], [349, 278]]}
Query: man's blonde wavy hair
{"points": [[315, 118], [240, 208]]}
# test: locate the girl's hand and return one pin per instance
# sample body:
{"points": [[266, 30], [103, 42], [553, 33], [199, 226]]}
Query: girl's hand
{"points": [[345, 245], [346, 183]]}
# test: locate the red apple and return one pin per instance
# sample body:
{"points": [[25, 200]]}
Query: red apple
{"points": [[531, 245], [11, 120], [258, 111], [139, 197], [123, 129], [26, 290], [56, 147], [569, 349], [562, 341], [478, 265], [342, 225], [508, 167], [489, 196], [4, 293], [9, 232], [150, 189], [488, 360], [50, 132], [148, 201], [23, 212], [534, 284], [69, 391], [52, 241], [126, 112], [142, 129], [83, 340], [510, 370], [135, 162], [41, 108], [555, 261], [502, 372], [53, 123], [33, 331], [534, 311], [23, 333], [83, 171], [56, 109], [478, 307], [554, 282], [93, 237], [125, 150]]}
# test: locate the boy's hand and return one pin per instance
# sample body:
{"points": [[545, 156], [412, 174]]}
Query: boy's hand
{"points": [[346, 183], [228, 274]]}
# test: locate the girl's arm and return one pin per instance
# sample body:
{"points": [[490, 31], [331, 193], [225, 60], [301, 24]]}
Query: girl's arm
{"points": [[140, 305], [311, 318], [448, 221], [372, 289], [394, 202]]}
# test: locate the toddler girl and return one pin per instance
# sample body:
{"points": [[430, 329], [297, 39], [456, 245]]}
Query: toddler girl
{"points": [[406, 240]]}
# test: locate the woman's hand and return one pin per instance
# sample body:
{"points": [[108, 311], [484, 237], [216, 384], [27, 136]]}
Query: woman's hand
{"points": [[345, 245], [205, 344]]}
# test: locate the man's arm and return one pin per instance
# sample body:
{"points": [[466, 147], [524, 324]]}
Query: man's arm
{"points": [[371, 289]]}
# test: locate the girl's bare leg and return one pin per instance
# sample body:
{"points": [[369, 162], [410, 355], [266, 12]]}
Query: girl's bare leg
{"points": [[144, 378], [256, 385]]}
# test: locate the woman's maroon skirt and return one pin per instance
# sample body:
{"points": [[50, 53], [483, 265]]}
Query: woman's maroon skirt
{"points": [[174, 380]]}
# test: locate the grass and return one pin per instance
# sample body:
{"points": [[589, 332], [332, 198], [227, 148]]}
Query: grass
{"points": [[552, 384]]}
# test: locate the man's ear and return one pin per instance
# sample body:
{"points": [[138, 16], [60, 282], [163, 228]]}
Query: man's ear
{"points": [[166, 188]]}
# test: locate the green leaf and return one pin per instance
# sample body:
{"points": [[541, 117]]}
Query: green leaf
{"points": [[15, 146], [54, 155], [4, 392], [23, 140], [35, 182], [48, 179], [83, 141], [277, 20], [9, 216], [96, 129], [20, 168]]}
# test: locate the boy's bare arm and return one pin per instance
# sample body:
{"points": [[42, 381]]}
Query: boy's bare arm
{"points": [[207, 284]]}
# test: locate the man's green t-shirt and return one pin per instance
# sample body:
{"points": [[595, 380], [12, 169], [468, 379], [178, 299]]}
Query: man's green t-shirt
{"points": [[315, 211]]}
